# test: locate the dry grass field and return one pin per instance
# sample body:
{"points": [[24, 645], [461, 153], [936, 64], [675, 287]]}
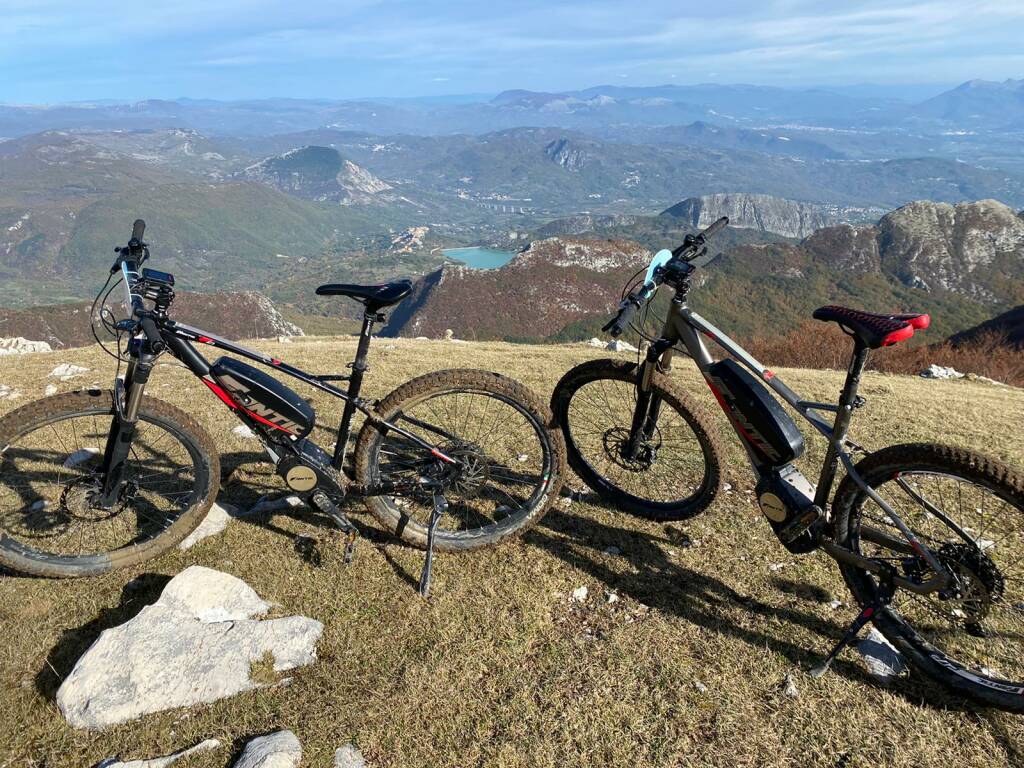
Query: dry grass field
{"points": [[501, 667]]}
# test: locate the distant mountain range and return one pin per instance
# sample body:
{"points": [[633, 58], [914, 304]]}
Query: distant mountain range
{"points": [[282, 194], [962, 263]]}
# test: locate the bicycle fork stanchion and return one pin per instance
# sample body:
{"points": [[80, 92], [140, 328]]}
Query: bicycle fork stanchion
{"points": [[440, 507], [882, 599]]}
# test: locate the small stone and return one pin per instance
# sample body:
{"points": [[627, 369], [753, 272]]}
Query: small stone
{"points": [[67, 371], [162, 762], [701, 688], [522, 457], [884, 662], [618, 345], [81, 456], [835, 604], [612, 551], [243, 432], [280, 749], [51, 389], [789, 689], [349, 756], [774, 567], [216, 520], [612, 598], [726, 487], [580, 594]]}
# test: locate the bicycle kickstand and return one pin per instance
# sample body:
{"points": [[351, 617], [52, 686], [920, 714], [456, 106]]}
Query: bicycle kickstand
{"points": [[322, 502], [440, 507], [882, 598]]}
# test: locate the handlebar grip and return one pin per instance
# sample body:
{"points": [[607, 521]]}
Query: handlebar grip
{"points": [[156, 342], [716, 227], [138, 230], [622, 320]]}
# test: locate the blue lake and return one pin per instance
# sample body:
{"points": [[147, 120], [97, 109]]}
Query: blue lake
{"points": [[479, 258]]}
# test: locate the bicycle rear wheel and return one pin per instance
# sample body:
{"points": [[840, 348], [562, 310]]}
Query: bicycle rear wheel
{"points": [[496, 426], [969, 511], [676, 474], [50, 455]]}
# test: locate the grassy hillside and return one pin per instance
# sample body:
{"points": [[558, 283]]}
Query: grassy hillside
{"points": [[501, 667]]}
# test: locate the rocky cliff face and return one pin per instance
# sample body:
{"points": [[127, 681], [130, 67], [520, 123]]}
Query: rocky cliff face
{"points": [[973, 249], [551, 284], [242, 315], [966, 248], [748, 211]]}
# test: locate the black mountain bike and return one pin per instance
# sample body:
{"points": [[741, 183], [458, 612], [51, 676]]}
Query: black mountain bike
{"points": [[929, 538], [96, 480]]}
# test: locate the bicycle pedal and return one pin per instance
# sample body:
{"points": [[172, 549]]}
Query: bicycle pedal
{"points": [[800, 524]]}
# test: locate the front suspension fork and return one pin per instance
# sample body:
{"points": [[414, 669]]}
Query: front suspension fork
{"points": [[127, 401]]}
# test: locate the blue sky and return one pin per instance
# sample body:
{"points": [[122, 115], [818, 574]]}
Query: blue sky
{"points": [[64, 50]]}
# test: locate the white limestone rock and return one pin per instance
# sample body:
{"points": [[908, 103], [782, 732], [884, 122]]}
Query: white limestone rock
{"points": [[19, 345], [195, 645], [216, 520], [934, 371], [67, 371], [618, 345], [166, 760], [884, 662], [349, 756], [280, 749]]}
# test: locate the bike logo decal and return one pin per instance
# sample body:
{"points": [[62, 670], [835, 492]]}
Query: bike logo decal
{"points": [[957, 669]]}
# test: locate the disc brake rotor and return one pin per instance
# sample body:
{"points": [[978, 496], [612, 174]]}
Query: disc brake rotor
{"points": [[616, 442]]}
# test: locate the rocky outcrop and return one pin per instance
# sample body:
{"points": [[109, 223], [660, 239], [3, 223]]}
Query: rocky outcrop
{"points": [[566, 154], [540, 291], [766, 213], [965, 248], [195, 645], [319, 173], [974, 249], [235, 315]]}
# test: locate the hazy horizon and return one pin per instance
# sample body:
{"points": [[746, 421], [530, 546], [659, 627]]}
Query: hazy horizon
{"points": [[58, 51]]}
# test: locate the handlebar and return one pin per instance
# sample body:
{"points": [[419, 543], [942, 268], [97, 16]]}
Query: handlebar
{"points": [[128, 261], [692, 248]]}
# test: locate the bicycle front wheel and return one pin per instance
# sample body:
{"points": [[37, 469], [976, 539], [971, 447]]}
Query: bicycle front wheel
{"points": [[51, 452], [676, 471], [968, 510], [513, 462]]}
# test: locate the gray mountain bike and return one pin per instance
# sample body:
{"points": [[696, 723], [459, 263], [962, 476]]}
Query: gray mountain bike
{"points": [[929, 538]]}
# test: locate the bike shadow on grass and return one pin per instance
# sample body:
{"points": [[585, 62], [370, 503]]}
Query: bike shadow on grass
{"points": [[667, 585], [247, 479], [143, 590]]}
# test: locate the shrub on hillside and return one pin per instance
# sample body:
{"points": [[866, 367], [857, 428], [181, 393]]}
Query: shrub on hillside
{"points": [[814, 345]]}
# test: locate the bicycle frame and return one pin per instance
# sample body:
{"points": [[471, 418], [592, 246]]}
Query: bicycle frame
{"points": [[179, 338], [683, 325]]}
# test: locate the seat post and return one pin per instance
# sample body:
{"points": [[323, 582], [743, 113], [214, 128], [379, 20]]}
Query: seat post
{"points": [[355, 384], [847, 403]]}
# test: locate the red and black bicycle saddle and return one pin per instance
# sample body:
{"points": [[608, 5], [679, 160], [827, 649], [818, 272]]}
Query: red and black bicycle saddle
{"points": [[873, 330]]}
